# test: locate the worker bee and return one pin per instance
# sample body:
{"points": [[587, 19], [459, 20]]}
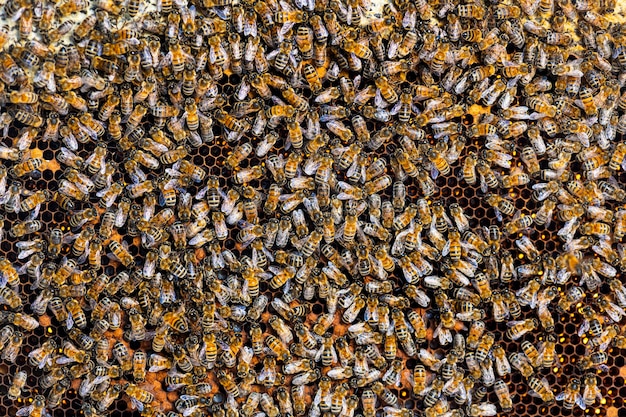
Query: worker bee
{"points": [[517, 224], [121, 253], [76, 315], [18, 383], [591, 392], [27, 168], [138, 395], [519, 328], [35, 409], [571, 395]]}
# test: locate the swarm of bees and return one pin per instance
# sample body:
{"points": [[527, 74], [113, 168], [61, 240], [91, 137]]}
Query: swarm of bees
{"points": [[240, 208]]}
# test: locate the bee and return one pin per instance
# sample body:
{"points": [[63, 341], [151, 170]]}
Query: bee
{"points": [[586, 97], [58, 309], [76, 315], [56, 393], [594, 360], [11, 154], [518, 224], [35, 409], [5, 334], [137, 325], [387, 91], [595, 228], [617, 157], [138, 395], [542, 388], [227, 382], [482, 129], [313, 79], [121, 253], [487, 177], [158, 363], [18, 383], [26, 168], [469, 168], [26, 227], [13, 346], [571, 395], [591, 392], [30, 119], [532, 353], [517, 329], [230, 122], [81, 217], [122, 356], [519, 362]]}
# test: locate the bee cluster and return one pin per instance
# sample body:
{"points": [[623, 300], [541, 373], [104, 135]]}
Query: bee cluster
{"points": [[312, 208]]}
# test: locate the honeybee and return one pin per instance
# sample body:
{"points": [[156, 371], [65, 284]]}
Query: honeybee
{"points": [[230, 122], [121, 253], [519, 328], [18, 383], [227, 382], [571, 395], [12, 347], [36, 409], [517, 224], [30, 119], [26, 168], [488, 179], [469, 168], [138, 396], [544, 215], [76, 315], [591, 392], [11, 154]]}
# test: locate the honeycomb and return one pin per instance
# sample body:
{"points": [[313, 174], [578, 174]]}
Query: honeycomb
{"points": [[161, 396]]}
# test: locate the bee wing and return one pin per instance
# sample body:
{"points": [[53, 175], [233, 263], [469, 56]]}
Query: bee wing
{"points": [[25, 411], [82, 258], [17, 198], [165, 61], [615, 312], [533, 302], [64, 360], [446, 249], [138, 404], [483, 184], [174, 387], [25, 253], [25, 244], [22, 269], [623, 164], [47, 360], [598, 394], [91, 158], [102, 192], [396, 108], [379, 101], [69, 322]]}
